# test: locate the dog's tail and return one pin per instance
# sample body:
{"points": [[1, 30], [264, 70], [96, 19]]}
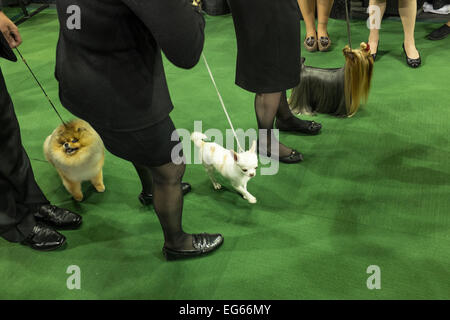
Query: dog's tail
{"points": [[198, 138]]}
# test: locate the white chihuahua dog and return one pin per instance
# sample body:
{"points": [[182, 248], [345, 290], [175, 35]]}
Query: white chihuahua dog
{"points": [[238, 168]]}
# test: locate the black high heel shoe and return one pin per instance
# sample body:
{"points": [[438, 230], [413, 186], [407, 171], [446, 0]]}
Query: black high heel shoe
{"points": [[374, 55], [203, 244], [147, 199], [413, 63]]}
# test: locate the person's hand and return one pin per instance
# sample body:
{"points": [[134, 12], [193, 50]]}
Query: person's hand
{"points": [[10, 31]]}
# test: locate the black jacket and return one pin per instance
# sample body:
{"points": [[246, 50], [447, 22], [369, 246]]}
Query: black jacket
{"points": [[110, 71]]}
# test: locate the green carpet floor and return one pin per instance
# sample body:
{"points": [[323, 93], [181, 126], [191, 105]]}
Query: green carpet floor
{"points": [[373, 189]]}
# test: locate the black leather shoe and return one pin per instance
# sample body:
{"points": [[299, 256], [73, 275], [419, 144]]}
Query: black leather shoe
{"points": [[58, 218], [147, 199], [44, 238], [439, 33], [203, 243], [294, 157], [413, 63], [313, 127]]}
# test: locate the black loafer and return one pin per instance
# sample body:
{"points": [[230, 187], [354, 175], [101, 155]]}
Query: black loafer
{"points": [[313, 127], [413, 63], [44, 238], [58, 218], [147, 199], [439, 33], [203, 244], [294, 157]]}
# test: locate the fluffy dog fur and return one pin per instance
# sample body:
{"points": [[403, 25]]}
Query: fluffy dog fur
{"points": [[77, 153], [337, 91], [238, 168]]}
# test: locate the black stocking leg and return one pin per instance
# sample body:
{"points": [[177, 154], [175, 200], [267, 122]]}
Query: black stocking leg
{"points": [[287, 121], [168, 204], [266, 107], [145, 175]]}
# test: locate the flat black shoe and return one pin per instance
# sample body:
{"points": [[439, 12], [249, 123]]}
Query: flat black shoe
{"points": [[313, 127], [413, 63], [58, 218], [439, 33], [294, 157], [203, 244], [44, 238], [147, 199]]}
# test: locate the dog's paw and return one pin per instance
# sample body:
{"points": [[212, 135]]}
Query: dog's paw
{"points": [[217, 186], [100, 189], [78, 197], [250, 199]]}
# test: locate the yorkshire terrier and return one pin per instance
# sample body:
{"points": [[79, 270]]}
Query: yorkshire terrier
{"points": [[336, 91]]}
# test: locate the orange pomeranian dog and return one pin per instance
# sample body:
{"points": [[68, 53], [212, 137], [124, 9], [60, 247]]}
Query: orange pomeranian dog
{"points": [[77, 152]]}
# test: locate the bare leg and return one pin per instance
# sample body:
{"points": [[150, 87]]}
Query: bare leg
{"points": [[374, 35], [308, 8], [323, 13], [408, 11]]}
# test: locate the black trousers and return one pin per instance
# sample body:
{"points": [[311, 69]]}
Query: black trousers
{"points": [[19, 192]]}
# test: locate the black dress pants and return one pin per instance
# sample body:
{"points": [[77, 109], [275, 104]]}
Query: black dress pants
{"points": [[19, 192]]}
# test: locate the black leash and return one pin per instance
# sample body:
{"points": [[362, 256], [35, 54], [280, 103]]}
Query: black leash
{"points": [[42, 88], [348, 24]]}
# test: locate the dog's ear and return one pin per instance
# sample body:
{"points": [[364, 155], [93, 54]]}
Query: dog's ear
{"points": [[235, 155], [253, 147]]}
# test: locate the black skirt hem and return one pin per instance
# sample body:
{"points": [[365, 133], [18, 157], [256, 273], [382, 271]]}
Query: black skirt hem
{"points": [[271, 89]]}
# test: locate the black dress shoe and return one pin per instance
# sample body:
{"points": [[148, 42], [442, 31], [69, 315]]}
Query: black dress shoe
{"points": [[312, 128], [413, 63], [58, 218], [294, 157], [44, 238], [439, 33], [147, 199], [203, 244]]}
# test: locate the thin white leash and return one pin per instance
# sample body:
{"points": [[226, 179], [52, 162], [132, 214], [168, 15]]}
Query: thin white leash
{"points": [[221, 101]]}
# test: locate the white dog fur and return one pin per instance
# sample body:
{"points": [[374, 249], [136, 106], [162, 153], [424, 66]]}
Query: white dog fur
{"points": [[238, 168]]}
